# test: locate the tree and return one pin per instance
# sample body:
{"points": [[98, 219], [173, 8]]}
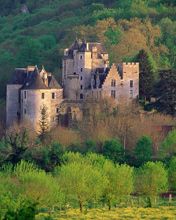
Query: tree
{"points": [[43, 122], [143, 150], [113, 36], [14, 145], [172, 174], [26, 210], [81, 182], [47, 157], [119, 182], [113, 150], [37, 185], [151, 181], [146, 77], [165, 92], [168, 146], [30, 52]]}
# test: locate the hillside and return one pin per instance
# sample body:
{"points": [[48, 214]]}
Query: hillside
{"points": [[48, 26]]}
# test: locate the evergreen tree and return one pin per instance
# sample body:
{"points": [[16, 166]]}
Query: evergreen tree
{"points": [[146, 77], [165, 92], [43, 123]]}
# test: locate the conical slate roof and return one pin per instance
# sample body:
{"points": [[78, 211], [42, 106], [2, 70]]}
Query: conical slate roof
{"points": [[34, 81]]}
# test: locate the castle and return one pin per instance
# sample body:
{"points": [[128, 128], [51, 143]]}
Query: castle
{"points": [[86, 75]]}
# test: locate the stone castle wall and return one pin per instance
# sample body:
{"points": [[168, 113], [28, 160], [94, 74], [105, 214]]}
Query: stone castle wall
{"points": [[12, 104], [33, 103]]}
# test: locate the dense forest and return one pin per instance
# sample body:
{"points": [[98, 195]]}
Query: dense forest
{"points": [[36, 32]]}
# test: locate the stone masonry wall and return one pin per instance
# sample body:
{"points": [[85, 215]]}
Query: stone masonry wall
{"points": [[12, 105]]}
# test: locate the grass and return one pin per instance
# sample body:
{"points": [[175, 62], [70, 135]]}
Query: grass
{"points": [[162, 213]]}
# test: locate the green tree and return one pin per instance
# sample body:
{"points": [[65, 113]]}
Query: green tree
{"points": [[26, 210], [13, 146], [143, 150], [44, 122], [113, 150], [119, 182], [113, 36], [37, 185], [47, 157], [168, 146], [30, 53], [165, 92], [151, 181], [146, 77], [81, 182], [7, 61], [172, 174], [48, 42]]}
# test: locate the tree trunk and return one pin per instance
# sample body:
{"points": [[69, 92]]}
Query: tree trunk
{"points": [[80, 206], [109, 205]]}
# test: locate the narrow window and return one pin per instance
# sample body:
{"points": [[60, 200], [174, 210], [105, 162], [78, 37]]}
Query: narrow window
{"points": [[24, 111], [113, 94], [81, 78], [43, 95], [53, 95], [113, 82], [81, 87], [131, 83], [81, 96], [80, 57], [81, 69], [25, 94], [57, 110]]}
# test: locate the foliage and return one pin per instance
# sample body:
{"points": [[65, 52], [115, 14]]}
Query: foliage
{"points": [[172, 174], [13, 146], [151, 180], [119, 182], [113, 150], [81, 182], [168, 146], [146, 77], [165, 92], [44, 123], [46, 157], [143, 150]]}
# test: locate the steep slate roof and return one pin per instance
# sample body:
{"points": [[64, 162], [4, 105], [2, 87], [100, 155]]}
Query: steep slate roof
{"points": [[33, 79], [34, 82], [81, 46], [102, 73], [52, 83], [19, 76], [99, 46]]}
